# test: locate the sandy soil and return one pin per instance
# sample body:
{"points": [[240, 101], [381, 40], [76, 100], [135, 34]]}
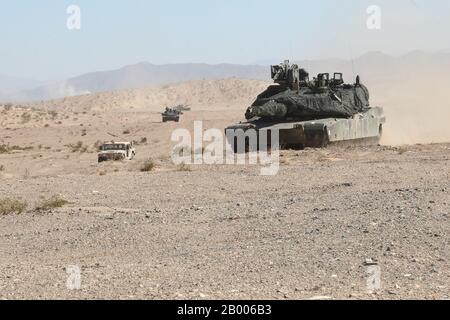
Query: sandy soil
{"points": [[213, 231]]}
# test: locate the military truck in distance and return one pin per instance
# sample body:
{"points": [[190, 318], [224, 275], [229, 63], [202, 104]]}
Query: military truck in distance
{"points": [[171, 114], [312, 113], [115, 151]]}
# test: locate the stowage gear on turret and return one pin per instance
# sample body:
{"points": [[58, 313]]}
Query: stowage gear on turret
{"points": [[296, 97]]}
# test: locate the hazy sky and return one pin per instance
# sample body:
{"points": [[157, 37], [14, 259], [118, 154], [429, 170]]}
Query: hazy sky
{"points": [[36, 42]]}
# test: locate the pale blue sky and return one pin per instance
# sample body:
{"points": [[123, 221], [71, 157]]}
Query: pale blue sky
{"points": [[114, 33]]}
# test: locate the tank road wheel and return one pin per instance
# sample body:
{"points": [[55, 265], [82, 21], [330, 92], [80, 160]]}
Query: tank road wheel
{"points": [[317, 138]]}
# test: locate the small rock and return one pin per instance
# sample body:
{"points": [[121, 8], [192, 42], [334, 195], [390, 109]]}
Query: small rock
{"points": [[347, 184]]}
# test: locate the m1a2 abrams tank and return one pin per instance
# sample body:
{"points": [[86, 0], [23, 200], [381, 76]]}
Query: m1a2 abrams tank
{"points": [[312, 113]]}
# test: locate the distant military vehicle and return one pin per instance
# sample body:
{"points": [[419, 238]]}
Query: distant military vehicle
{"points": [[116, 151], [182, 107], [171, 114], [312, 113]]}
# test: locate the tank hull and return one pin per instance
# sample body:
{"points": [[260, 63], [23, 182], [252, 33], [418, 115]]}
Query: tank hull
{"points": [[362, 128]]}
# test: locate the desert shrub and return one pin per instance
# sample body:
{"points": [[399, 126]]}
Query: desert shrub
{"points": [[183, 167], [51, 203], [26, 117], [147, 165], [78, 147], [402, 150], [127, 131], [19, 148], [2, 168], [12, 206], [6, 148], [182, 151], [140, 142], [53, 114], [7, 108]]}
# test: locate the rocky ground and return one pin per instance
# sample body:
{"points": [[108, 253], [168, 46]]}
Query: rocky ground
{"points": [[315, 230], [227, 232]]}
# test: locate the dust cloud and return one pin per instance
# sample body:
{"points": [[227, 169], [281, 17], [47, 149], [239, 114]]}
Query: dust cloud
{"points": [[417, 110]]}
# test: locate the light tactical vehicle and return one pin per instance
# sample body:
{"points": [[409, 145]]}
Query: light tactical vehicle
{"points": [[313, 113], [115, 151]]}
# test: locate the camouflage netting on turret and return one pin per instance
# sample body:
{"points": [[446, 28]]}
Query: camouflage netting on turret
{"points": [[298, 98], [310, 103]]}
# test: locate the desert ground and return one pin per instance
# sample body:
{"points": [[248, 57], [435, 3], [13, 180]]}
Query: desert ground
{"points": [[218, 231]]}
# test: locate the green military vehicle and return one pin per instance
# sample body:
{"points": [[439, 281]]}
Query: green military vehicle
{"points": [[311, 113], [171, 114]]}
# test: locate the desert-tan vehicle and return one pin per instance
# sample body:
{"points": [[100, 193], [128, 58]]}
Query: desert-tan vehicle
{"points": [[115, 151]]}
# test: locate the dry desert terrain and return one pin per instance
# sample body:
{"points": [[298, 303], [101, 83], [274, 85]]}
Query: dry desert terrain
{"points": [[212, 232]]}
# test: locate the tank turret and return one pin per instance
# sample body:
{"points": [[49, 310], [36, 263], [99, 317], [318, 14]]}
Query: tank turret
{"points": [[294, 96]]}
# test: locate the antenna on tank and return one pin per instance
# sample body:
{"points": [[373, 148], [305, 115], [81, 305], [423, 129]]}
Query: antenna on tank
{"points": [[292, 52], [352, 59]]}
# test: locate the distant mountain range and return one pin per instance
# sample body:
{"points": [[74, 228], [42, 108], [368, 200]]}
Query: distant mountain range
{"points": [[12, 86], [134, 76], [373, 67]]}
